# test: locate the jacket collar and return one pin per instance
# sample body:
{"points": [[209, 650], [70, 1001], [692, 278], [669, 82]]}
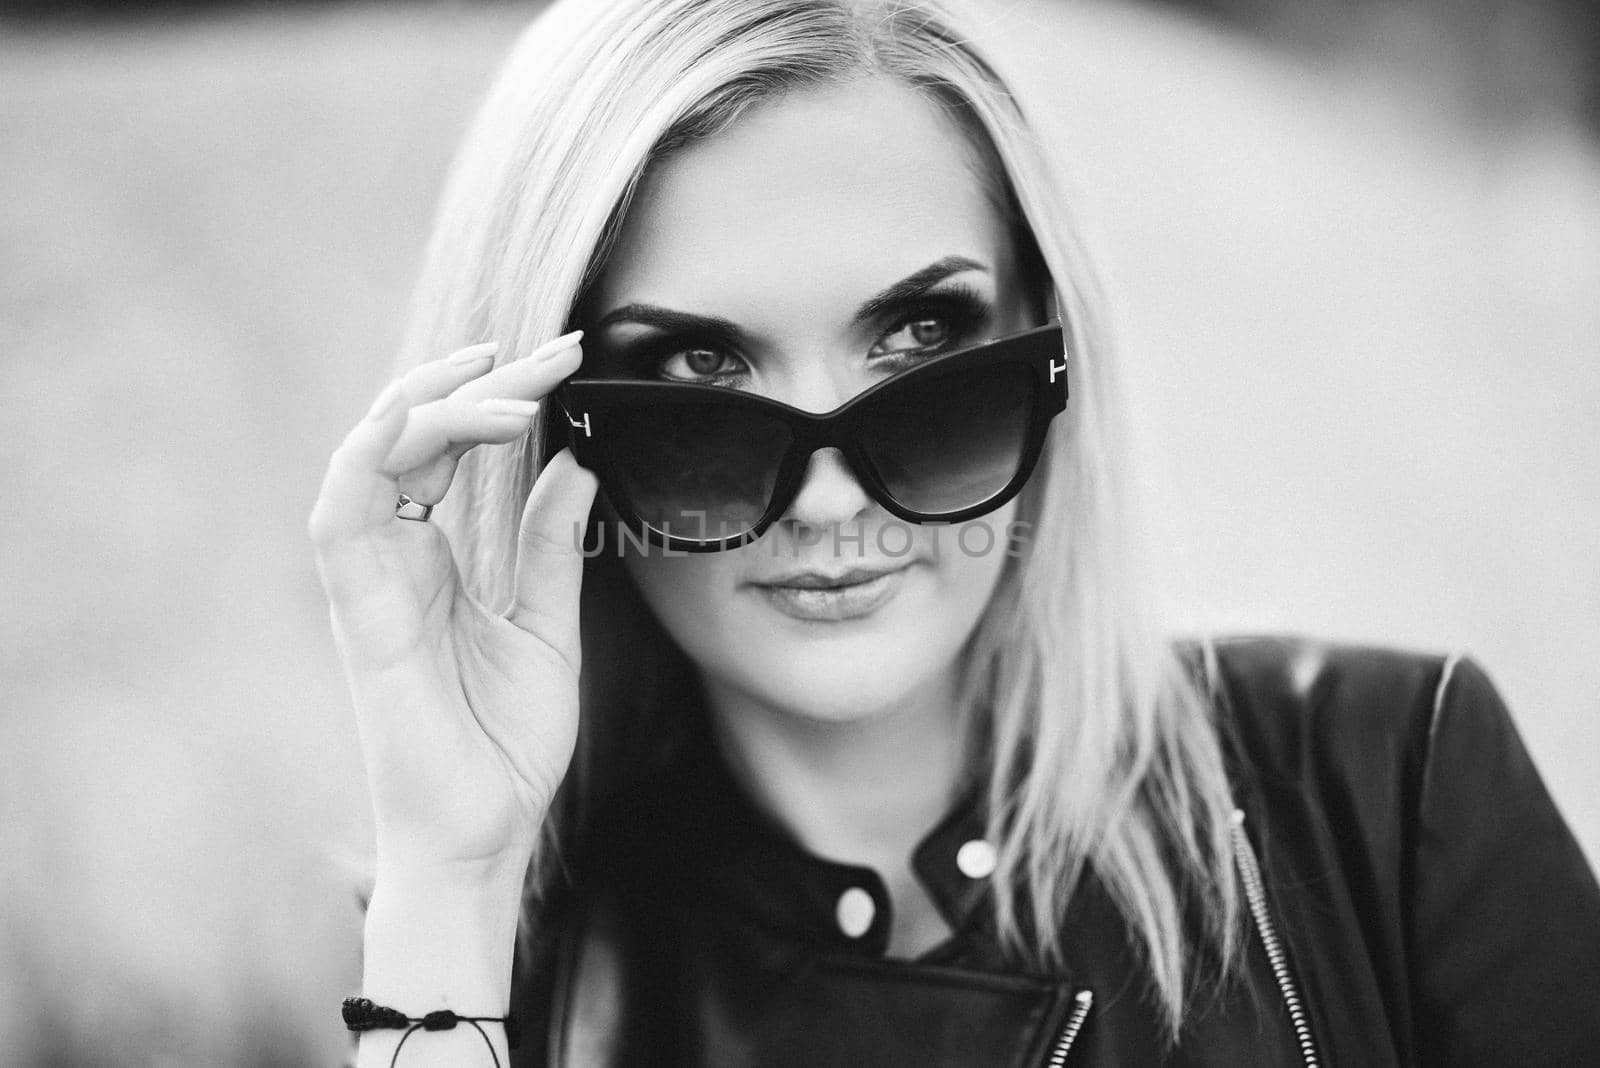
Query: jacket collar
{"points": [[723, 848]]}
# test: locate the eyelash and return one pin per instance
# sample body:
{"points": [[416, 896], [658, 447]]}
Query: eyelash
{"points": [[963, 307]]}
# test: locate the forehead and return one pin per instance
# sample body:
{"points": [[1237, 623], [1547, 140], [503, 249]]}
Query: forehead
{"points": [[834, 190]]}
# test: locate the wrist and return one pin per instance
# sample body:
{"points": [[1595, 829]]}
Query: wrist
{"points": [[434, 941], [411, 873]]}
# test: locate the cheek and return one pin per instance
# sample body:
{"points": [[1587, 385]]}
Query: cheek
{"points": [[689, 593], [973, 555]]}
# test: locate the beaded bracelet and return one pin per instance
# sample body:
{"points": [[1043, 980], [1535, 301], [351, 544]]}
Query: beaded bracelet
{"points": [[362, 1014]]}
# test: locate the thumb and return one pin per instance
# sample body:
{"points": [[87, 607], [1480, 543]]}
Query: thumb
{"points": [[549, 569]]}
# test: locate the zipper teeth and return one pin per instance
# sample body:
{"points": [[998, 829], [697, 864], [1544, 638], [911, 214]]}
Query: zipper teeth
{"points": [[1069, 1033], [1255, 892]]}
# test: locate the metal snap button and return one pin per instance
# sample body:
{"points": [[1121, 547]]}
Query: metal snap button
{"points": [[976, 859], [855, 911]]}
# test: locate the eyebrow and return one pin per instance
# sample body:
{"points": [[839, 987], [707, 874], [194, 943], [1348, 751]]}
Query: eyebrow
{"points": [[728, 332], [723, 331], [914, 285]]}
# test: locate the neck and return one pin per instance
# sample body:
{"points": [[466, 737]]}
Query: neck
{"points": [[864, 791]]}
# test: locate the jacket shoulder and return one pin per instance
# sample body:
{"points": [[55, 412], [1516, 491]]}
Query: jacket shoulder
{"points": [[1346, 719], [1400, 805]]}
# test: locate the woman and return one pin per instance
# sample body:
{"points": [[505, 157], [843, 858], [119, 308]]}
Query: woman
{"points": [[880, 757]]}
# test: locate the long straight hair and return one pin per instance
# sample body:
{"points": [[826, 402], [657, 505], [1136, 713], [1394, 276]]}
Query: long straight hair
{"points": [[1097, 746]]}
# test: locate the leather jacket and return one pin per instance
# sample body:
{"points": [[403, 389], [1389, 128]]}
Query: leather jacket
{"points": [[1414, 896]]}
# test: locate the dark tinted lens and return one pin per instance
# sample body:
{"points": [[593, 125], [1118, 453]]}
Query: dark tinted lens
{"points": [[946, 442], [702, 472]]}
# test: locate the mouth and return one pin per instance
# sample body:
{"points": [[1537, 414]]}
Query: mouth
{"points": [[825, 580], [822, 596]]}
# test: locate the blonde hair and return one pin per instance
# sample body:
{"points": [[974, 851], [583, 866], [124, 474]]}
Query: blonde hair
{"points": [[1100, 748]]}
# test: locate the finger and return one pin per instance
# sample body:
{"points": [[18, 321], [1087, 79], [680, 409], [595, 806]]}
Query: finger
{"points": [[428, 484], [531, 377], [549, 569], [449, 427], [483, 411], [356, 493], [436, 379]]}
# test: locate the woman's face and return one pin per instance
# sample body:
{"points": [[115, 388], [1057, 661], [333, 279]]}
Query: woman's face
{"points": [[824, 241]]}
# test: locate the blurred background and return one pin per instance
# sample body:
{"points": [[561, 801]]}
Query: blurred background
{"points": [[1356, 255]]}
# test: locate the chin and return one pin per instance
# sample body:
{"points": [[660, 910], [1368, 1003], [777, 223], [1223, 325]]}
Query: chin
{"points": [[839, 677], [832, 692]]}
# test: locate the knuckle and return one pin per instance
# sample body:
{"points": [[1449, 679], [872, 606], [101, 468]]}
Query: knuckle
{"points": [[402, 383], [344, 456], [320, 525]]}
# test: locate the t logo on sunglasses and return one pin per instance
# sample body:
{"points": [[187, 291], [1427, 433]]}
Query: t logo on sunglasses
{"points": [[701, 468]]}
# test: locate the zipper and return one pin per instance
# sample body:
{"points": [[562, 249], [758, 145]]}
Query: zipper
{"points": [[1069, 1033], [1256, 893]]}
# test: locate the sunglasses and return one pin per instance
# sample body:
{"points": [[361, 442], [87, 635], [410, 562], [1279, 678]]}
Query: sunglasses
{"points": [[698, 468]]}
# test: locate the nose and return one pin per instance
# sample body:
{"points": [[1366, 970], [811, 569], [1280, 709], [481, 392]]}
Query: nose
{"points": [[829, 495]]}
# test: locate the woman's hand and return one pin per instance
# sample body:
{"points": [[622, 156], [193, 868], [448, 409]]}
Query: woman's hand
{"points": [[467, 717]]}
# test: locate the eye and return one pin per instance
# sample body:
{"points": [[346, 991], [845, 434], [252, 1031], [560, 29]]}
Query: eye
{"points": [[920, 333], [697, 364]]}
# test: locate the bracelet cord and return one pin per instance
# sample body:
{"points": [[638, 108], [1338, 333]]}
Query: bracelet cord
{"points": [[362, 1014], [414, 1028]]}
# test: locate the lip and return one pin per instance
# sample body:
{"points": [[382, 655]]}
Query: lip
{"points": [[817, 579], [830, 597]]}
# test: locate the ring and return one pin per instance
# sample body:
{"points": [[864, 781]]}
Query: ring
{"points": [[406, 508]]}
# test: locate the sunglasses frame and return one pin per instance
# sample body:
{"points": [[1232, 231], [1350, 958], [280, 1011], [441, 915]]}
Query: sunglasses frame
{"points": [[587, 403]]}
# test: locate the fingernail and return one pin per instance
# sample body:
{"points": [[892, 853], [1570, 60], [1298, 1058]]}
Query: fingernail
{"points": [[518, 409], [557, 346], [475, 354], [387, 401]]}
